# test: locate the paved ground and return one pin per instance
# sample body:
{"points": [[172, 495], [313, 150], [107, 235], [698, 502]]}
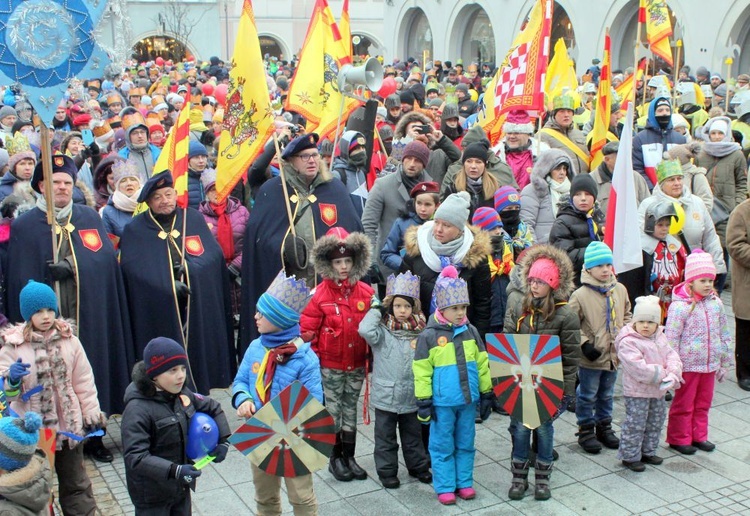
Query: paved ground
{"points": [[705, 483]]}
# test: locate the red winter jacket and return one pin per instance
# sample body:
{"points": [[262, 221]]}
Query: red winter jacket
{"points": [[330, 323]]}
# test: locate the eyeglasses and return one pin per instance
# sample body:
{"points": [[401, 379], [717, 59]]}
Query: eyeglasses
{"points": [[308, 157], [536, 282]]}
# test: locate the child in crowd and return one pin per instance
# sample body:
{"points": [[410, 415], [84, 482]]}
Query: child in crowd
{"points": [[330, 323], [46, 371], [516, 232], [391, 330], [541, 308], [649, 367], [271, 363], [697, 329], [425, 198], [578, 223], [603, 307], [158, 408], [451, 374]]}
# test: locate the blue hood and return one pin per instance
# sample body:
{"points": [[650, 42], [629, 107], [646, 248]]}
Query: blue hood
{"points": [[652, 114]]}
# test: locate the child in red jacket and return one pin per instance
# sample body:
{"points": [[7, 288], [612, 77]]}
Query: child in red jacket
{"points": [[330, 322]]}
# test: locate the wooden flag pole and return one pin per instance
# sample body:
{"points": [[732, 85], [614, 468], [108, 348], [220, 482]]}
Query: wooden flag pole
{"points": [[48, 194], [729, 61], [678, 44]]}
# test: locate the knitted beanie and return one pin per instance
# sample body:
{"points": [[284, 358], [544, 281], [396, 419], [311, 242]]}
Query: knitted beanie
{"points": [[418, 150], [208, 179], [392, 101], [699, 264], [668, 168], [506, 196], [196, 149], [18, 440], [597, 253], [546, 270], [455, 209], [476, 150], [35, 296], [449, 111], [161, 355], [584, 182], [486, 218], [7, 111], [518, 121], [647, 309]]}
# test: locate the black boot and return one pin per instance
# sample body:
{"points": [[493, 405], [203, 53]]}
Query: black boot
{"points": [[349, 443], [587, 439], [337, 466], [520, 482], [542, 473], [94, 447], [606, 435]]}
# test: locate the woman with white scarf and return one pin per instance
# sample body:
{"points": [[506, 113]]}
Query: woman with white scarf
{"points": [[550, 183], [118, 211]]}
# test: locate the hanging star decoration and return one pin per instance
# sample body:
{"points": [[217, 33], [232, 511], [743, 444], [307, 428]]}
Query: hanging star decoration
{"points": [[46, 43]]}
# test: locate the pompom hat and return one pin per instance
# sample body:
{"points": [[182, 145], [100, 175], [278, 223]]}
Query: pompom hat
{"points": [[699, 264], [18, 440], [486, 218]]}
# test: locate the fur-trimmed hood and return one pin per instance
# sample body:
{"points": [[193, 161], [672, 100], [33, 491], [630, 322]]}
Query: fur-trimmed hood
{"points": [[545, 163], [358, 242], [142, 382], [478, 252], [20, 201], [27, 487], [13, 335], [412, 116], [564, 265]]}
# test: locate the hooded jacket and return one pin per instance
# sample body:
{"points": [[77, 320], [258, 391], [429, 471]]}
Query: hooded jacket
{"points": [[650, 144], [352, 176], [536, 201], [645, 362], [442, 153], [573, 134], [570, 232], [26, 491]]}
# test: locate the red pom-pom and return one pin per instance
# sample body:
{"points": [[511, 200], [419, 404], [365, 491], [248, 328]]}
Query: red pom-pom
{"points": [[449, 272]]}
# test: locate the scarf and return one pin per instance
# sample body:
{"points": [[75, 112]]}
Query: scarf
{"points": [[436, 255], [557, 190], [720, 149], [593, 226], [413, 323], [124, 203], [458, 329], [606, 291], [224, 230], [503, 264], [474, 184], [61, 214], [411, 182], [280, 347]]}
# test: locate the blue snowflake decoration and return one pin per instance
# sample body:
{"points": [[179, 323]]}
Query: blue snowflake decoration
{"points": [[45, 43]]}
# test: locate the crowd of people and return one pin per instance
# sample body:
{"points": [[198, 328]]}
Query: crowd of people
{"points": [[307, 273]]}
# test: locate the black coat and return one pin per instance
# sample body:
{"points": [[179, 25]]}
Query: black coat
{"points": [[638, 281], [570, 232]]}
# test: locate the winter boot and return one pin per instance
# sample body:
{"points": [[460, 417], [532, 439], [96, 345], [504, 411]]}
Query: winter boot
{"points": [[606, 435], [337, 466], [349, 443], [520, 482], [587, 439], [542, 473]]}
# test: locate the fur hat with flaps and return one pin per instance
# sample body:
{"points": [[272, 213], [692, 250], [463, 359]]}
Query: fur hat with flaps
{"points": [[338, 243], [561, 262]]}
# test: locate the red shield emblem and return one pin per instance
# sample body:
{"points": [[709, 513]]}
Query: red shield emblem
{"points": [[90, 239], [328, 214], [193, 245]]}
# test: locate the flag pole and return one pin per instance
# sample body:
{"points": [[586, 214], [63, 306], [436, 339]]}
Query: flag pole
{"points": [[338, 124], [678, 44], [729, 61], [48, 195], [283, 185], [636, 47]]}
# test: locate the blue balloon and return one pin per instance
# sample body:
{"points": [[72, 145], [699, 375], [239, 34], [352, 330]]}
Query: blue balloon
{"points": [[203, 436]]}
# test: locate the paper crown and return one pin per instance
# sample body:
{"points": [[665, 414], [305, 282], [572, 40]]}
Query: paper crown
{"points": [[157, 99], [137, 92], [450, 290], [563, 102], [101, 129], [123, 168], [131, 117], [17, 144], [405, 284], [290, 291], [668, 168]]}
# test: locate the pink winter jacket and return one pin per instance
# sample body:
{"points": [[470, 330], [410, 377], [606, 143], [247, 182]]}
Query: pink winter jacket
{"points": [[645, 362], [700, 334], [78, 380]]}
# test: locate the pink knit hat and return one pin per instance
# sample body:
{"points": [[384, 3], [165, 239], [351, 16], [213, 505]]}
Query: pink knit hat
{"points": [[546, 270], [699, 265]]}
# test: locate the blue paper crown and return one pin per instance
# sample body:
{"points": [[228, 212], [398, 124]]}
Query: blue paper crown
{"points": [[450, 292], [405, 284], [290, 291]]}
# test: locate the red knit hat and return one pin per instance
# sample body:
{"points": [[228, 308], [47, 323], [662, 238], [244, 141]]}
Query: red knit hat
{"points": [[699, 264], [546, 270], [518, 122]]}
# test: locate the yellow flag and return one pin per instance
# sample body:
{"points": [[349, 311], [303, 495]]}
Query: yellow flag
{"points": [[658, 29], [248, 117], [603, 108], [346, 28], [560, 73]]}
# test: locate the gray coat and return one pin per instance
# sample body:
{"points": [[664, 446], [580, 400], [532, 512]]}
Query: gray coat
{"points": [[392, 375]]}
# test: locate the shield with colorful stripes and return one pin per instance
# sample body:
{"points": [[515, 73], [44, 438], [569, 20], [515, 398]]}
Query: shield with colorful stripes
{"points": [[290, 436], [527, 375]]}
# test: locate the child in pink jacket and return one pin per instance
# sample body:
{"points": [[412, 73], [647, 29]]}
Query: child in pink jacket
{"points": [[697, 329], [649, 367]]}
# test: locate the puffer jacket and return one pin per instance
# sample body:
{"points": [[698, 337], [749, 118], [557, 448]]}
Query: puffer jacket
{"points": [[7, 182], [475, 271], [392, 374], [645, 362], [574, 135], [194, 189], [699, 332], [650, 145], [79, 378], [238, 217], [564, 322], [114, 220], [591, 307], [452, 369], [570, 232], [393, 250], [536, 201], [496, 164], [26, 491]]}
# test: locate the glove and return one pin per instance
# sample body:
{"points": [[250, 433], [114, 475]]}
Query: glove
{"points": [[234, 272], [95, 421], [186, 474], [61, 270], [17, 371], [182, 290], [220, 452], [721, 374], [590, 352], [425, 411], [375, 275], [486, 401]]}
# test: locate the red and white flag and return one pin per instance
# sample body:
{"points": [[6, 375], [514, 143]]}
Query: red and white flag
{"points": [[622, 233]]}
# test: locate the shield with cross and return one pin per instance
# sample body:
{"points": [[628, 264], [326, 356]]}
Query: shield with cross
{"points": [[527, 375]]}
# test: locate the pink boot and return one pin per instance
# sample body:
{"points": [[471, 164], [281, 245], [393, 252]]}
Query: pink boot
{"points": [[466, 493], [447, 498]]}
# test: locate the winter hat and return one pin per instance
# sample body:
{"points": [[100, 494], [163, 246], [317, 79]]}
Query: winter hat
{"points": [[663, 101], [647, 309], [450, 290], [449, 111], [506, 196], [407, 97], [196, 149], [382, 112], [702, 71], [7, 111], [60, 163], [719, 125], [430, 187], [161, 355], [18, 440], [597, 253], [668, 168], [35, 296], [392, 101], [720, 91], [284, 301], [436, 102], [208, 179], [418, 150], [82, 120], [476, 150], [518, 121], [486, 218], [341, 250], [18, 148], [685, 152], [546, 270], [4, 158], [610, 148], [462, 87], [679, 121], [584, 182], [455, 209], [699, 264]]}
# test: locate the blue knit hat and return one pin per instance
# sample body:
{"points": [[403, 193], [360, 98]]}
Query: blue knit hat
{"points": [[196, 149], [506, 196], [597, 253], [161, 355], [18, 440], [35, 296], [486, 218], [284, 301]]}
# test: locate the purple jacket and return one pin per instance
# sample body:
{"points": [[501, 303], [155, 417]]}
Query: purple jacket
{"points": [[238, 216], [645, 362]]}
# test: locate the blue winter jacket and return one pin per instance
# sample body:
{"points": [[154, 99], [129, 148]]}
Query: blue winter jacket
{"points": [[155, 152], [392, 254], [650, 144], [115, 220], [7, 182], [195, 189]]}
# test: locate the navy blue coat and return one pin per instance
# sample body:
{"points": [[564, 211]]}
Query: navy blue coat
{"points": [[650, 144]]}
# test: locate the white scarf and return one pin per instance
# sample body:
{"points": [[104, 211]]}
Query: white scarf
{"points": [[124, 203], [61, 214], [430, 257], [556, 191]]}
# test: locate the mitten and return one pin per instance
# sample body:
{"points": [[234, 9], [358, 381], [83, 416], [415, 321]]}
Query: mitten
{"points": [[185, 473], [61, 270], [220, 452], [17, 371], [590, 352], [486, 400], [424, 411]]}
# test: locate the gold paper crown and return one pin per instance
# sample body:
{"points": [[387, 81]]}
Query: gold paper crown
{"points": [[101, 129], [131, 117], [17, 144], [405, 284], [290, 291]]}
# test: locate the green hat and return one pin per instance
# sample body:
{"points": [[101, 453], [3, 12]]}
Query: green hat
{"points": [[668, 168], [563, 102]]}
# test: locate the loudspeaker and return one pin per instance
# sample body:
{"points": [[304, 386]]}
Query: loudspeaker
{"points": [[369, 75]]}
